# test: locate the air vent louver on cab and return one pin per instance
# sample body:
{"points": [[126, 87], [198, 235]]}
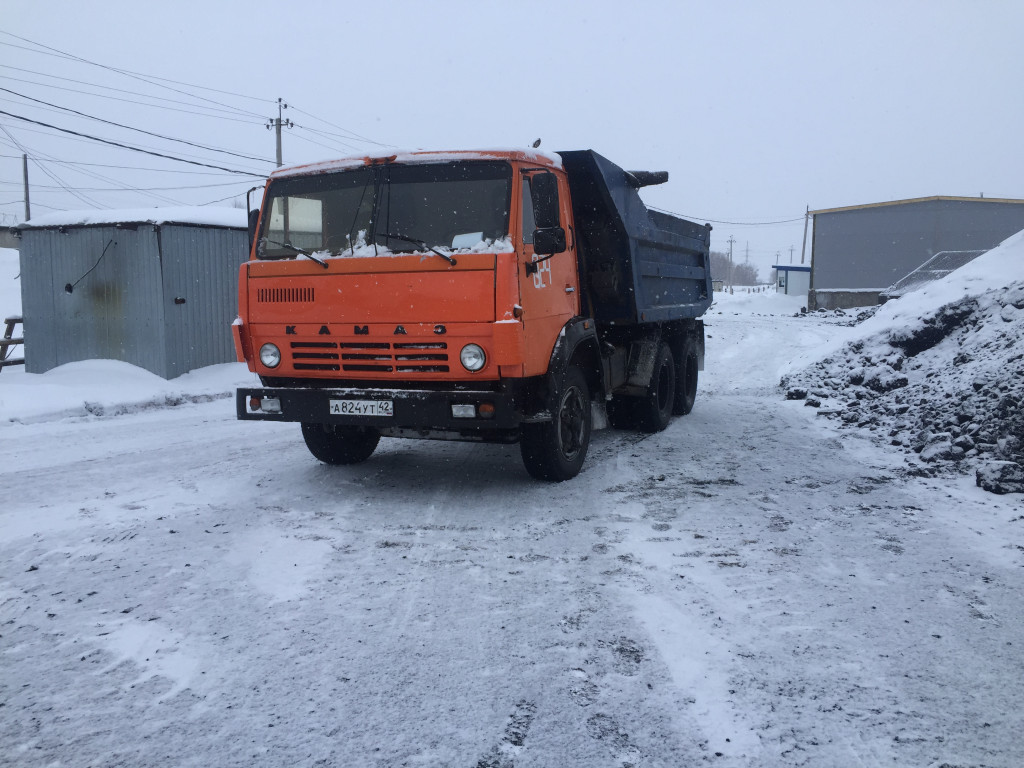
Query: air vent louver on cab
{"points": [[284, 295]]}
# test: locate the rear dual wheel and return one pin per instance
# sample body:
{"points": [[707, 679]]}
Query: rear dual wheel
{"points": [[654, 411], [686, 379]]}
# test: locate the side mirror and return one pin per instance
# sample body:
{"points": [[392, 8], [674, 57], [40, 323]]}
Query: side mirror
{"points": [[548, 242], [544, 191], [254, 218]]}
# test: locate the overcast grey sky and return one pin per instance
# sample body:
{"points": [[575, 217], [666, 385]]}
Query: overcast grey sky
{"points": [[756, 109]]}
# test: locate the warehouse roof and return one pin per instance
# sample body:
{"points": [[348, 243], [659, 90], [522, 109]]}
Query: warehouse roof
{"points": [[919, 200], [234, 218]]}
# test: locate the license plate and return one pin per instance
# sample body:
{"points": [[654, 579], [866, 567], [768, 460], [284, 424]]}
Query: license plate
{"points": [[362, 408]]}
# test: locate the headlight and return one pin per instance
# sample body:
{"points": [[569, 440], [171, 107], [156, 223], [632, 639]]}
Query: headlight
{"points": [[270, 355], [472, 357]]}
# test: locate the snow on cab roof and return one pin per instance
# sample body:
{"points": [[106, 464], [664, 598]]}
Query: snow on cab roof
{"points": [[327, 166], [233, 218]]}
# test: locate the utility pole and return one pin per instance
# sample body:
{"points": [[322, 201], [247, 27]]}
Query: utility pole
{"points": [[276, 125], [731, 241], [791, 254], [24, 173], [803, 251], [746, 256]]}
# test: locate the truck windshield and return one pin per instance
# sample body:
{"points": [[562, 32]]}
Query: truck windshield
{"points": [[392, 208]]}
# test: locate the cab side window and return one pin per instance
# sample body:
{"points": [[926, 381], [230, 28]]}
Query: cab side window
{"points": [[529, 224]]}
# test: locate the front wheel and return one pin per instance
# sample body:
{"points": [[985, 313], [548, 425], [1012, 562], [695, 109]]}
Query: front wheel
{"points": [[334, 444], [555, 450]]}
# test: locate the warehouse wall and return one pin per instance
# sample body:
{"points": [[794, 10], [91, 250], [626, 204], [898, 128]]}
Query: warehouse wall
{"points": [[122, 306], [871, 247]]}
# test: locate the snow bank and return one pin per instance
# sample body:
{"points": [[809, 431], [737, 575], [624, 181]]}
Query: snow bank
{"points": [[938, 373], [109, 387], [234, 218]]}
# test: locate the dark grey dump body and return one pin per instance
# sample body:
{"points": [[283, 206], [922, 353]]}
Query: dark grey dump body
{"points": [[159, 296], [637, 265]]}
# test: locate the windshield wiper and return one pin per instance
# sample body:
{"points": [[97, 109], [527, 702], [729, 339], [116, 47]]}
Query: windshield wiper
{"points": [[420, 243], [296, 249]]}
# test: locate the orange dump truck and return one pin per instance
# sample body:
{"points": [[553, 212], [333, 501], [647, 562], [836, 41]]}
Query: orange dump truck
{"points": [[496, 296]]}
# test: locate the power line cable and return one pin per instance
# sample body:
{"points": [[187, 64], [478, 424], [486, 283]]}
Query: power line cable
{"points": [[73, 193], [135, 75], [352, 134], [221, 200], [124, 146], [60, 134], [120, 167], [39, 157], [130, 188], [225, 108], [732, 223], [129, 72], [138, 130], [80, 92], [334, 148]]}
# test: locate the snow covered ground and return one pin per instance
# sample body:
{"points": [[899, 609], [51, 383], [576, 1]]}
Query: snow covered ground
{"points": [[752, 587]]}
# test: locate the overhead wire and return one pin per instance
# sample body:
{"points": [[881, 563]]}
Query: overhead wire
{"points": [[48, 50], [133, 188], [39, 157], [62, 135], [352, 134], [730, 223], [252, 119], [128, 167], [138, 130], [73, 193], [124, 146]]}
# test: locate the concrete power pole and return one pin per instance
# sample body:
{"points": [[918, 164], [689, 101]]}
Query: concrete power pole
{"points": [[731, 241], [24, 173], [276, 124], [803, 250]]}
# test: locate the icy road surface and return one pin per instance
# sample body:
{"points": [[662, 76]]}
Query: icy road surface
{"points": [[747, 588]]}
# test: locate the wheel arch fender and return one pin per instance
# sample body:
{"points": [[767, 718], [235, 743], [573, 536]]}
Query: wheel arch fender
{"points": [[577, 345]]}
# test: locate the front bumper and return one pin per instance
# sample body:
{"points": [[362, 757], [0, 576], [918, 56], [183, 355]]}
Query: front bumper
{"points": [[417, 410]]}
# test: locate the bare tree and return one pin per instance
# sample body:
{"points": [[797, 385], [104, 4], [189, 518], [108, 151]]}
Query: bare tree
{"points": [[742, 274]]}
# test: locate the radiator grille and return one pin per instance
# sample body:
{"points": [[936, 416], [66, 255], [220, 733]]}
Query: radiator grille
{"points": [[370, 357]]}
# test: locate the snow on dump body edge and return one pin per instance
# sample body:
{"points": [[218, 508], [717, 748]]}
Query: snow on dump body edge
{"points": [[234, 218], [938, 373], [345, 163]]}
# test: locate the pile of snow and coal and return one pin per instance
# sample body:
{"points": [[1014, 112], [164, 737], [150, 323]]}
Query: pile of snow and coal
{"points": [[939, 373]]}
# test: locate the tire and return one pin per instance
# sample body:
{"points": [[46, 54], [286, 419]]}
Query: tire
{"points": [[654, 410], [555, 450], [340, 445], [686, 379]]}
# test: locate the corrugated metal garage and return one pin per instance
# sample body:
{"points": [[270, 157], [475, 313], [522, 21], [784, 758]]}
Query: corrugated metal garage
{"points": [[155, 288], [859, 251]]}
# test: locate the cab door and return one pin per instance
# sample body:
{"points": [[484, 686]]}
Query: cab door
{"points": [[548, 283]]}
